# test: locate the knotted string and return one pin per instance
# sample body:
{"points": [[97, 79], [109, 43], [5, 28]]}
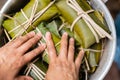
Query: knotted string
{"points": [[32, 19], [31, 67], [81, 14], [38, 72], [95, 28]]}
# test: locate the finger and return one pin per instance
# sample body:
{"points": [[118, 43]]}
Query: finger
{"points": [[22, 39], [71, 50], [63, 46], [30, 55], [23, 78], [23, 48], [79, 59], [50, 47]]}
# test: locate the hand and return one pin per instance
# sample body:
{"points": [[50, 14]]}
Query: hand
{"points": [[63, 67], [14, 55]]}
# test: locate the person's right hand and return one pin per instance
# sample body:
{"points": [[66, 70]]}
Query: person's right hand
{"points": [[63, 66], [14, 55]]}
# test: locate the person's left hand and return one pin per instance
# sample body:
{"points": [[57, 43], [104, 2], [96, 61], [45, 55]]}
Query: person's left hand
{"points": [[63, 66], [14, 55]]}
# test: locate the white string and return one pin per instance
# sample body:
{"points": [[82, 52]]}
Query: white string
{"points": [[37, 73], [28, 71], [41, 33], [92, 50], [86, 74], [25, 25], [87, 65], [7, 35], [24, 14], [57, 44], [38, 69], [32, 18], [61, 26], [93, 31], [95, 28]]}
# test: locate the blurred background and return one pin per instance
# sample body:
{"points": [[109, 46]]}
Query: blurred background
{"points": [[114, 7]]}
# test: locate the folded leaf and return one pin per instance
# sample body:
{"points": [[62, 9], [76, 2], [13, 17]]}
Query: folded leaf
{"points": [[19, 18], [94, 57], [80, 28], [43, 29]]}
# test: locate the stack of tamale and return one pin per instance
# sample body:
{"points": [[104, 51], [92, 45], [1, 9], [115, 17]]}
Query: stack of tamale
{"points": [[76, 17]]}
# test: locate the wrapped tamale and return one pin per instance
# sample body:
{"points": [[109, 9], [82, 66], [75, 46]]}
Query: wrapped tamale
{"points": [[39, 68], [43, 29], [80, 28], [17, 25], [94, 56], [48, 16]]}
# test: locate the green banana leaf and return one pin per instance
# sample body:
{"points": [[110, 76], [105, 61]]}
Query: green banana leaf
{"points": [[41, 65], [71, 34], [96, 15], [11, 24], [94, 57], [48, 22], [80, 28], [53, 27], [43, 29]]}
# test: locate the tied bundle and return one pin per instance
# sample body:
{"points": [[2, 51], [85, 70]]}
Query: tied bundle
{"points": [[76, 17]]}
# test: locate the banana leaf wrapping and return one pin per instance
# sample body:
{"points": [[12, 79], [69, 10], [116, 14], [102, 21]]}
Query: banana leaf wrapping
{"points": [[43, 29], [19, 18], [81, 28], [51, 20], [92, 57]]}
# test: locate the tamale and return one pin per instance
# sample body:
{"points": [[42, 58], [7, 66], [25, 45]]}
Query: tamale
{"points": [[48, 21], [43, 29], [80, 28], [11, 25]]}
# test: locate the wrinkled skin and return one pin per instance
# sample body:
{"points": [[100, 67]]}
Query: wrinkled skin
{"points": [[63, 67], [14, 55]]}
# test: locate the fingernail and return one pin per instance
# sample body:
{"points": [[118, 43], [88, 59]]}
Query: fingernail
{"points": [[32, 33], [44, 45], [39, 44], [71, 39], [82, 50], [65, 33], [28, 78], [39, 34], [48, 34]]}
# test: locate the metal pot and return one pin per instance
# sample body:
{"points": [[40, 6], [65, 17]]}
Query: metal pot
{"points": [[108, 55]]}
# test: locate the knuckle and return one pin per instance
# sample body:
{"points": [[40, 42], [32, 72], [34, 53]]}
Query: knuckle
{"points": [[72, 48], [37, 37], [20, 38], [31, 42], [35, 52], [17, 64], [28, 35], [34, 40]]}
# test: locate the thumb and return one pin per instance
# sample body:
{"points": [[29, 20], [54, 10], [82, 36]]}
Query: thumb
{"points": [[23, 78]]}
